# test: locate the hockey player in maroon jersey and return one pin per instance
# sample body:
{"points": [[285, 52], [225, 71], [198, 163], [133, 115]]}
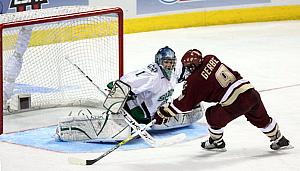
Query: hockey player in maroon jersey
{"points": [[210, 80]]}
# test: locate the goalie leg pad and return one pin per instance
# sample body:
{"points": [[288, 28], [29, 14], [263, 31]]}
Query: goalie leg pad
{"points": [[181, 120], [92, 129]]}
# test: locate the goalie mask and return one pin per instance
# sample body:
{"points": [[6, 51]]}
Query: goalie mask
{"points": [[166, 60], [191, 60]]}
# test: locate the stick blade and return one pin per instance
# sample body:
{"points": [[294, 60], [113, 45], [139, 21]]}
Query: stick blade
{"points": [[76, 161]]}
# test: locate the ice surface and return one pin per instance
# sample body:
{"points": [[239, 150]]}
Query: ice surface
{"points": [[267, 54]]}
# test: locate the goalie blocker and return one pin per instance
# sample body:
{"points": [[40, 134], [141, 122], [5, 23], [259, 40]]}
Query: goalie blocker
{"points": [[110, 126]]}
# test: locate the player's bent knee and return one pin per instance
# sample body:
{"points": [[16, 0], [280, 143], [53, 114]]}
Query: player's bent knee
{"points": [[214, 118]]}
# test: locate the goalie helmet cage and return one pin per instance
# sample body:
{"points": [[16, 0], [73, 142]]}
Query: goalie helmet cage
{"points": [[62, 40]]}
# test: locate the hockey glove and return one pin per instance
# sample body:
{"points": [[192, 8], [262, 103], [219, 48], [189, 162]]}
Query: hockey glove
{"points": [[110, 85], [163, 113]]}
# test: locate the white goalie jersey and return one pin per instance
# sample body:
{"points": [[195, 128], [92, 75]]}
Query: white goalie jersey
{"points": [[150, 87]]}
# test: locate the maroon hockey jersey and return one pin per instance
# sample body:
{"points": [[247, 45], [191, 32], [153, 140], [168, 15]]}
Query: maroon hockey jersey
{"points": [[208, 83]]}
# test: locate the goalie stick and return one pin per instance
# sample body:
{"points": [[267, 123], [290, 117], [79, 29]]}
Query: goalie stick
{"points": [[86, 76], [78, 161]]}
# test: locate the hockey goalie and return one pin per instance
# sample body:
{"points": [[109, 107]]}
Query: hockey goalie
{"points": [[137, 95]]}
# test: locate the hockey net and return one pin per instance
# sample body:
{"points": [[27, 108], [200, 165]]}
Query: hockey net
{"points": [[62, 40]]}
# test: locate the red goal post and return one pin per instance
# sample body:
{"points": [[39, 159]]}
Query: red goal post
{"points": [[88, 37]]}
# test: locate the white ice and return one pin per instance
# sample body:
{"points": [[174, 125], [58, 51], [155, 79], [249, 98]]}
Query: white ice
{"points": [[267, 54]]}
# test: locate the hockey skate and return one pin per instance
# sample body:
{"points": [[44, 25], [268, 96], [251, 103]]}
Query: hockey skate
{"points": [[281, 144], [214, 145]]}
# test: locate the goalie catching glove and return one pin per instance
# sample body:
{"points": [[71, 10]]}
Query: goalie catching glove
{"points": [[164, 113]]}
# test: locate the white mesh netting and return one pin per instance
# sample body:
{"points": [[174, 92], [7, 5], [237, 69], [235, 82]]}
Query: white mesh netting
{"points": [[90, 42]]}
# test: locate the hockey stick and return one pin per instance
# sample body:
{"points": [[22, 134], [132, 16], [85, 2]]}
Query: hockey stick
{"points": [[86, 76], [78, 161], [147, 137], [114, 103]]}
